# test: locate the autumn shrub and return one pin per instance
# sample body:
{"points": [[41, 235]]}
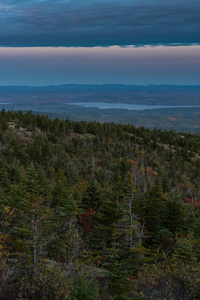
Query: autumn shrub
{"points": [[45, 281], [168, 278]]}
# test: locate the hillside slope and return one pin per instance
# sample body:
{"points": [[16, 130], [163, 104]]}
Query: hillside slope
{"points": [[110, 211]]}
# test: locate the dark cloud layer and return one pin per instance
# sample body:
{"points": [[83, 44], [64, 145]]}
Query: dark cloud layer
{"points": [[99, 22]]}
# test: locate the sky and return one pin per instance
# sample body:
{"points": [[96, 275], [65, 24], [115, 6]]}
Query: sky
{"points": [[143, 42]]}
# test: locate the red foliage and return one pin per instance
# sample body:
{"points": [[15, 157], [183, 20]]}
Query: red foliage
{"points": [[194, 202], [86, 219]]}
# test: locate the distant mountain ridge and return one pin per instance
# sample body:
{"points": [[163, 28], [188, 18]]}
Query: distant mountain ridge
{"points": [[96, 87]]}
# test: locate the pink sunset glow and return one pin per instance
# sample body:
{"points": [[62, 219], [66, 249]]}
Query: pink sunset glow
{"points": [[128, 65]]}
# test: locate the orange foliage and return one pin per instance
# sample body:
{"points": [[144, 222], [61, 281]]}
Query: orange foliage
{"points": [[133, 163], [149, 171]]}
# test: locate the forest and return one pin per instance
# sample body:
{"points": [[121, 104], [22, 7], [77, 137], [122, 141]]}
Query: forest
{"points": [[92, 211]]}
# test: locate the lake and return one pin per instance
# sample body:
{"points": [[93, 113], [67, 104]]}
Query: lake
{"points": [[106, 105]]}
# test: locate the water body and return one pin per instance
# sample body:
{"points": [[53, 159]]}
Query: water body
{"points": [[105, 105]]}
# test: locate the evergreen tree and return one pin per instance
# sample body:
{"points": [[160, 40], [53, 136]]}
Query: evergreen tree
{"points": [[92, 197], [85, 288], [34, 220], [153, 209]]}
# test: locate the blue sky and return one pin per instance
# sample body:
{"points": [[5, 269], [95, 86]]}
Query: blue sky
{"points": [[96, 41]]}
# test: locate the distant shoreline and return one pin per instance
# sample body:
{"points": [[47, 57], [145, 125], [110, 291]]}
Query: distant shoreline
{"points": [[113, 105]]}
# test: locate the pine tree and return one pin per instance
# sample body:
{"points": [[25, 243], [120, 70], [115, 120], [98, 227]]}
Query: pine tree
{"points": [[85, 288], [92, 197], [34, 227], [101, 236], [153, 208], [66, 244]]}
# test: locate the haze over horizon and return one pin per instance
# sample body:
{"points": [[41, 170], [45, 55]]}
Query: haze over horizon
{"points": [[99, 42]]}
